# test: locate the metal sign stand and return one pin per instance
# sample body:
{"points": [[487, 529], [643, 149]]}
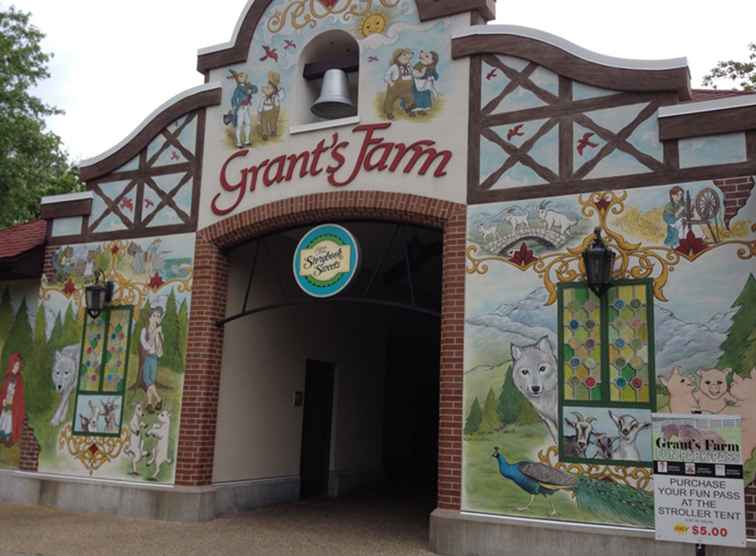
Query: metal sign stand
{"points": [[700, 550]]}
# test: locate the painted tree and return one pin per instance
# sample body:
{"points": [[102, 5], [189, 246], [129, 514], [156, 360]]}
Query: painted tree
{"points": [[474, 418], [39, 380], [736, 350], [512, 407], [183, 328], [6, 313], [72, 328], [171, 351], [490, 421], [20, 337], [56, 335]]}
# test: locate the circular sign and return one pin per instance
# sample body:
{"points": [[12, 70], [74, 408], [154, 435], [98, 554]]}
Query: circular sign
{"points": [[325, 260]]}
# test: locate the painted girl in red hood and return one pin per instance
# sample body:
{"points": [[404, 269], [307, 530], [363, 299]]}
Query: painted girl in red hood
{"points": [[12, 402]]}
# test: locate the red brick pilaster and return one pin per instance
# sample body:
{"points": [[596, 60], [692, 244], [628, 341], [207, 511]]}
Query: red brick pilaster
{"points": [[750, 500], [452, 360], [199, 407]]}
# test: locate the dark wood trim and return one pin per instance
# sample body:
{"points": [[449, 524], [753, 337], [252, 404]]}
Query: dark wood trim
{"points": [[751, 145], [316, 70], [27, 265], [199, 157], [566, 107], [149, 132], [717, 122], [66, 209], [146, 170], [137, 234], [573, 187], [569, 65], [239, 51], [671, 155], [435, 9], [566, 131], [474, 126]]}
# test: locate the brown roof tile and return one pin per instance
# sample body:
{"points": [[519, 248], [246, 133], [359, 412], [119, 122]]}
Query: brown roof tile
{"points": [[714, 94], [19, 239]]}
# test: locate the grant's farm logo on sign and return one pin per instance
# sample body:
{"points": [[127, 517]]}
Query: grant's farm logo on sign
{"points": [[325, 260], [330, 158]]}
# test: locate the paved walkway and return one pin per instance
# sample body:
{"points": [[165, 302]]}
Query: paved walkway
{"points": [[352, 526]]}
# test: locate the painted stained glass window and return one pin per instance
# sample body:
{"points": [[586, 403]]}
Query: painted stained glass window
{"points": [[628, 343], [606, 360], [581, 347], [103, 370]]}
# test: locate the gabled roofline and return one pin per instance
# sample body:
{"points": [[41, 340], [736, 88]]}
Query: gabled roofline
{"points": [[573, 61], [236, 50], [208, 94]]}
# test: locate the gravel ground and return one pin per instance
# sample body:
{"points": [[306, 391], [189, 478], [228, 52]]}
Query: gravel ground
{"points": [[351, 526]]}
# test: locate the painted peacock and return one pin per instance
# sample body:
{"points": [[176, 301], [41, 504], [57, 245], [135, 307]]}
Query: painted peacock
{"points": [[605, 499]]}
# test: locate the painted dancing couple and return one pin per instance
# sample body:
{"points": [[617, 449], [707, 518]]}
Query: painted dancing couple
{"points": [[414, 86]]}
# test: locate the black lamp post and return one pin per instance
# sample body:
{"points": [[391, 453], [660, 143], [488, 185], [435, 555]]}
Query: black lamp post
{"points": [[98, 296], [599, 262]]}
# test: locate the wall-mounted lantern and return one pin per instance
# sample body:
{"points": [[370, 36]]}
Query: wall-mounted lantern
{"points": [[599, 262], [98, 296]]}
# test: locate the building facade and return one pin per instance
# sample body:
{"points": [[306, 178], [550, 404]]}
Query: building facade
{"points": [[513, 145]]}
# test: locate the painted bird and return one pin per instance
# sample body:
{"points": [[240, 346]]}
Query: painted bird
{"points": [[491, 74], [127, 204], [289, 44], [607, 500], [516, 131], [372, 59], [584, 142], [270, 53]]}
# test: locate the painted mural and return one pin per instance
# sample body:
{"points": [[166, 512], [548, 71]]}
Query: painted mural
{"points": [[110, 404], [18, 307], [560, 385], [404, 64]]}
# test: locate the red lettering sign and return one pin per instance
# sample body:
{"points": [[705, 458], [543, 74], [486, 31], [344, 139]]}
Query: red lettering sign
{"points": [[375, 155]]}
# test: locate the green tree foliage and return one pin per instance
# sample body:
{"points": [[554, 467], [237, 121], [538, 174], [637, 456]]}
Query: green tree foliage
{"points": [[20, 338], [72, 328], [39, 381], [490, 421], [6, 313], [512, 407], [474, 418], [56, 335], [171, 351], [33, 162], [733, 70], [738, 353]]}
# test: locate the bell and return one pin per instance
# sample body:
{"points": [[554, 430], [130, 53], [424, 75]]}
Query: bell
{"points": [[335, 101]]}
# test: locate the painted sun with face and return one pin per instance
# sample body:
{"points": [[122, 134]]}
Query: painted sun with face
{"points": [[373, 23]]}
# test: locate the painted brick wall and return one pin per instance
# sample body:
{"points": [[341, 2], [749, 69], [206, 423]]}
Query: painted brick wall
{"points": [[202, 379], [737, 191]]}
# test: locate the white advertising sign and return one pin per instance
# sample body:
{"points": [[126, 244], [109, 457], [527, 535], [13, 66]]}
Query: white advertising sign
{"points": [[698, 479]]}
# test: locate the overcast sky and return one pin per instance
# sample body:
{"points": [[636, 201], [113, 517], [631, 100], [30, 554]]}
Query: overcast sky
{"points": [[116, 61]]}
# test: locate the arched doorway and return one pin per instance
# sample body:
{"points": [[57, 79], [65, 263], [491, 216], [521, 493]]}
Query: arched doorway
{"points": [[196, 452]]}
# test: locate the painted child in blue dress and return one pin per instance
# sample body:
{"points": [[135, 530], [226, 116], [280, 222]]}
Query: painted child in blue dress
{"points": [[674, 216], [425, 75], [151, 343]]}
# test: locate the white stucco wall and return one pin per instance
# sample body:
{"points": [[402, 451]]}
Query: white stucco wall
{"points": [[264, 360]]}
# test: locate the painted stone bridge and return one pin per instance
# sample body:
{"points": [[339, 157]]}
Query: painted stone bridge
{"points": [[550, 237]]}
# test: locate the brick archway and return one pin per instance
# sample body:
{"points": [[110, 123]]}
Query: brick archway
{"points": [[196, 449]]}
